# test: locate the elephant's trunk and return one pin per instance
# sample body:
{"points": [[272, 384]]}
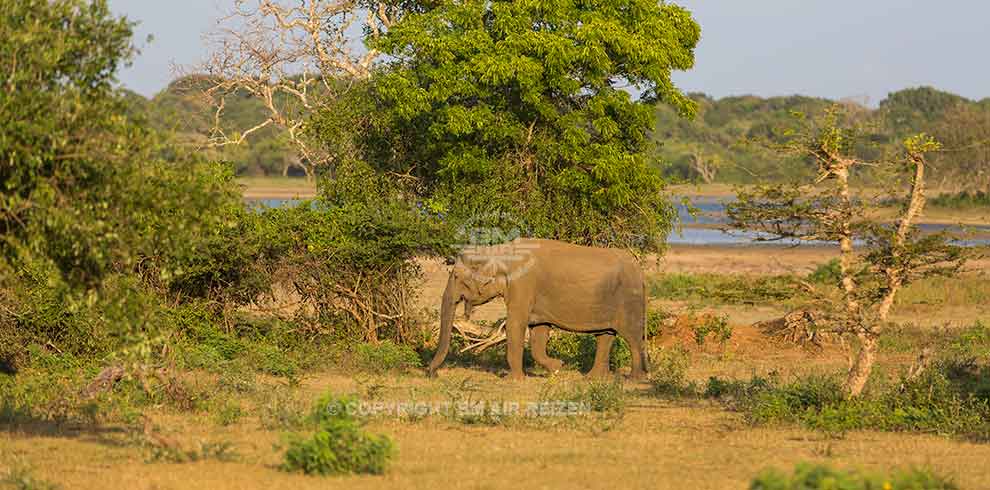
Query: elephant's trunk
{"points": [[446, 324]]}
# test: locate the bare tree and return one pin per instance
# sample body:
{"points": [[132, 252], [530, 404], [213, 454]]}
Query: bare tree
{"points": [[827, 210], [706, 166], [295, 57]]}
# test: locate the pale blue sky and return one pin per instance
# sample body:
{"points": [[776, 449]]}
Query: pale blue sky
{"points": [[829, 48]]}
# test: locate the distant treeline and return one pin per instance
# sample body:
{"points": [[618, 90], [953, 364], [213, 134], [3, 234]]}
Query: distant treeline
{"points": [[720, 145], [727, 141]]}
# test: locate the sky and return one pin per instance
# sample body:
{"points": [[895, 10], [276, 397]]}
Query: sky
{"points": [[862, 49]]}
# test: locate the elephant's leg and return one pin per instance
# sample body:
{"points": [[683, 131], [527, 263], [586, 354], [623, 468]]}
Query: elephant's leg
{"points": [[515, 333], [637, 352], [632, 328], [603, 349], [538, 337]]}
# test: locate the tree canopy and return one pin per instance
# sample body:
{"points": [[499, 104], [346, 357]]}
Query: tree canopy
{"points": [[520, 109]]}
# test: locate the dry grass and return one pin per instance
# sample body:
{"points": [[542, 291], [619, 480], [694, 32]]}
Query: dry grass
{"points": [[657, 443]]}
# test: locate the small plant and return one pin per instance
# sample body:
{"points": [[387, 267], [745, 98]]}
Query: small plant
{"points": [[228, 413], [281, 410], [603, 396], [723, 288], [733, 389], [654, 322], [715, 326], [269, 359], [385, 357], [819, 477], [669, 372], [219, 451], [578, 351], [962, 200], [339, 446], [828, 273]]}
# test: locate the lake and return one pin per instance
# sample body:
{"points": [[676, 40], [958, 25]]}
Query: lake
{"points": [[704, 227]]}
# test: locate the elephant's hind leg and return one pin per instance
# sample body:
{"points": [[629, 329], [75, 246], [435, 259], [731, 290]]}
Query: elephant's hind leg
{"points": [[538, 337], [638, 355], [603, 350]]}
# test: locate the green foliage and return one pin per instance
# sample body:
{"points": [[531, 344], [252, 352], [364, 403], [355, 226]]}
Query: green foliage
{"points": [[219, 451], [962, 200], [96, 226], [600, 396], [722, 133], [828, 273], [508, 110], [723, 288], [339, 446], [281, 409], [952, 398], [715, 326], [819, 477], [228, 412], [385, 357], [668, 374], [578, 350]]}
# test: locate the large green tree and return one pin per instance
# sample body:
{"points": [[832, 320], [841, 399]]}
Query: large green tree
{"points": [[520, 113]]}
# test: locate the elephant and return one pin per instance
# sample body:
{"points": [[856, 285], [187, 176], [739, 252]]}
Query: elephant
{"points": [[550, 283]]}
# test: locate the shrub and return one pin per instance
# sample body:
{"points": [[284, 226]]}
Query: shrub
{"points": [[951, 398], [339, 446], [828, 273], [962, 200], [723, 288], [599, 395], [654, 322], [227, 413], [578, 350], [281, 409], [669, 372], [717, 327], [737, 389], [819, 477], [385, 357]]}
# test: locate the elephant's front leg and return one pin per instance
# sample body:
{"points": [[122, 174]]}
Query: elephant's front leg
{"points": [[538, 337], [603, 349], [515, 333]]}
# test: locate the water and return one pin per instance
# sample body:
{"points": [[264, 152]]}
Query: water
{"points": [[703, 228]]}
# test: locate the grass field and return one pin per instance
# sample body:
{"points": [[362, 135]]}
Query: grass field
{"points": [[237, 437]]}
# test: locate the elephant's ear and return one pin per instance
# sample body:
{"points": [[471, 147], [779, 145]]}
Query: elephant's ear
{"points": [[495, 271]]}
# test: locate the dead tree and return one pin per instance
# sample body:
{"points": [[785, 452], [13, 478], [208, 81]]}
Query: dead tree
{"points": [[705, 166], [294, 57], [892, 255]]}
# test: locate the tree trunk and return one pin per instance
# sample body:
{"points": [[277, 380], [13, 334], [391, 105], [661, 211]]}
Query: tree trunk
{"points": [[862, 366]]}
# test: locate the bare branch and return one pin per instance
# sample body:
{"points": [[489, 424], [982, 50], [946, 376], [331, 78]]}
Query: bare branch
{"points": [[293, 57]]}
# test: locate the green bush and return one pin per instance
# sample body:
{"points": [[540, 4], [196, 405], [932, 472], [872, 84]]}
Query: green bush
{"points": [[723, 288], [715, 326], [339, 446], [962, 200], [385, 357], [819, 477], [669, 372], [606, 396], [951, 398], [578, 350], [827, 273]]}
